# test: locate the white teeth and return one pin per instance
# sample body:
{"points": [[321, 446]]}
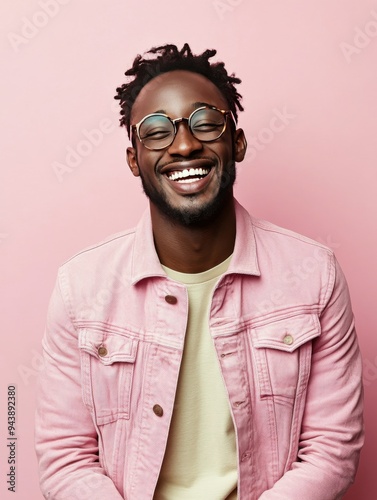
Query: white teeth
{"points": [[188, 173]]}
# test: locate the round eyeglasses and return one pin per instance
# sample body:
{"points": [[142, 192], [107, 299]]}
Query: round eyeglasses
{"points": [[157, 130]]}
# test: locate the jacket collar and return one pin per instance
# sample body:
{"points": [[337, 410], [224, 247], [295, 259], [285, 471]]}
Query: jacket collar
{"points": [[146, 264], [245, 258]]}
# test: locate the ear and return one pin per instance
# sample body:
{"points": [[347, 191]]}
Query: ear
{"points": [[240, 145], [132, 161]]}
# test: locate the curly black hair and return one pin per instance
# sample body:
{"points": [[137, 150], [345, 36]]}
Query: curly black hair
{"points": [[168, 58]]}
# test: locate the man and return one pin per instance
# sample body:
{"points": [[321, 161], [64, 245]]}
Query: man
{"points": [[186, 359]]}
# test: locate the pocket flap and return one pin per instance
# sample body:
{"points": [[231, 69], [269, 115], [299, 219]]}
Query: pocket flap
{"points": [[107, 347], [287, 334]]}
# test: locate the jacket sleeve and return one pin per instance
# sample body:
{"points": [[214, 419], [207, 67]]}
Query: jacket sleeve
{"points": [[66, 439], [332, 431]]}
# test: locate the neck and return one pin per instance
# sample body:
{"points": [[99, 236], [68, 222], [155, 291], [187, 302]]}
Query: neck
{"points": [[195, 249]]}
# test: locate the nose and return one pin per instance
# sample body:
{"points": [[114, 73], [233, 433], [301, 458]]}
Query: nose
{"points": [[184, 143]]}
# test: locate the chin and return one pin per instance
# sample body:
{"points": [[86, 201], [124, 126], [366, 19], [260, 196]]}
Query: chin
{"points": [[195, 215]]}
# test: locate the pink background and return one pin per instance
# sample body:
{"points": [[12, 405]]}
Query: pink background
{"points": [[317, 175]]}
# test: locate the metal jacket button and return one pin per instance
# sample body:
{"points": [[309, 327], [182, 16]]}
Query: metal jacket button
{"points": [[170, 299], [288, 339], [102, 351], [157, 409]]}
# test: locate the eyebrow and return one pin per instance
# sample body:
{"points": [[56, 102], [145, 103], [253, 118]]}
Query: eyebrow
{"points": [[195, 105], [199, 104]]}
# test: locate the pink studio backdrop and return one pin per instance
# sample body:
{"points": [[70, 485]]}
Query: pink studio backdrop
{"points": [[314, 63]]}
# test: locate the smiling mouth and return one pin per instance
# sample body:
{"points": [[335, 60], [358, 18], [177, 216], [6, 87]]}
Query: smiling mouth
{"points": [[188, 175]]}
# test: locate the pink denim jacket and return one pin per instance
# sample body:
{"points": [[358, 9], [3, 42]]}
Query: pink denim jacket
{"points": [[283, 330]]}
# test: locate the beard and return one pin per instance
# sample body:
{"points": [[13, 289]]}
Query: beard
{"points": [[194, 216]]}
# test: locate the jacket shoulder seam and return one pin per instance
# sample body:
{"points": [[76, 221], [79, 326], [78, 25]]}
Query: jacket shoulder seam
{"points": [[65, 297], [331, 282], [272, 228], [102, 243]]}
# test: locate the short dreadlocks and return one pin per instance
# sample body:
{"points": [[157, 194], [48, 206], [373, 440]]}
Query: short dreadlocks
{"points": [[168, 58]]}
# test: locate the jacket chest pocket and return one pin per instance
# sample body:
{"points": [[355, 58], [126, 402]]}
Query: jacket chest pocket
{"points": [[107, 363], [282, 356]]}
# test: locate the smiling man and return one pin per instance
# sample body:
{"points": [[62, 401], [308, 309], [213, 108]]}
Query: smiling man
{"points": [[182, 362]]}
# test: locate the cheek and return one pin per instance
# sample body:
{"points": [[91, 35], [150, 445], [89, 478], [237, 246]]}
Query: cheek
{"points": [[226, 149], [225, 155], [148, 161]]}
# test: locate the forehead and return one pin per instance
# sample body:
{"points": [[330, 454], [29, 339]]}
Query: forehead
{"points": [[176, 93]]}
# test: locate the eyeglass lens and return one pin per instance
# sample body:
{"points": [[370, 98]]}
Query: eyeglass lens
{"points": [[157, 131]]}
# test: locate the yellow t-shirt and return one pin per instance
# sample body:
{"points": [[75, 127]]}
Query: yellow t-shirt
{"points": [[200, 462]]}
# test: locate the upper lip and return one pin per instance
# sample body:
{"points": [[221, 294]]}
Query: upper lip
{"points": [[179, 166]]}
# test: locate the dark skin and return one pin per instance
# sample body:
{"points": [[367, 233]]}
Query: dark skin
{"points": [[203, 234], [196, 249]]}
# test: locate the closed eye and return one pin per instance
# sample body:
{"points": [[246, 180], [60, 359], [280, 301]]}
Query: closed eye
{"points": [[156, 134], [204, 126]]}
